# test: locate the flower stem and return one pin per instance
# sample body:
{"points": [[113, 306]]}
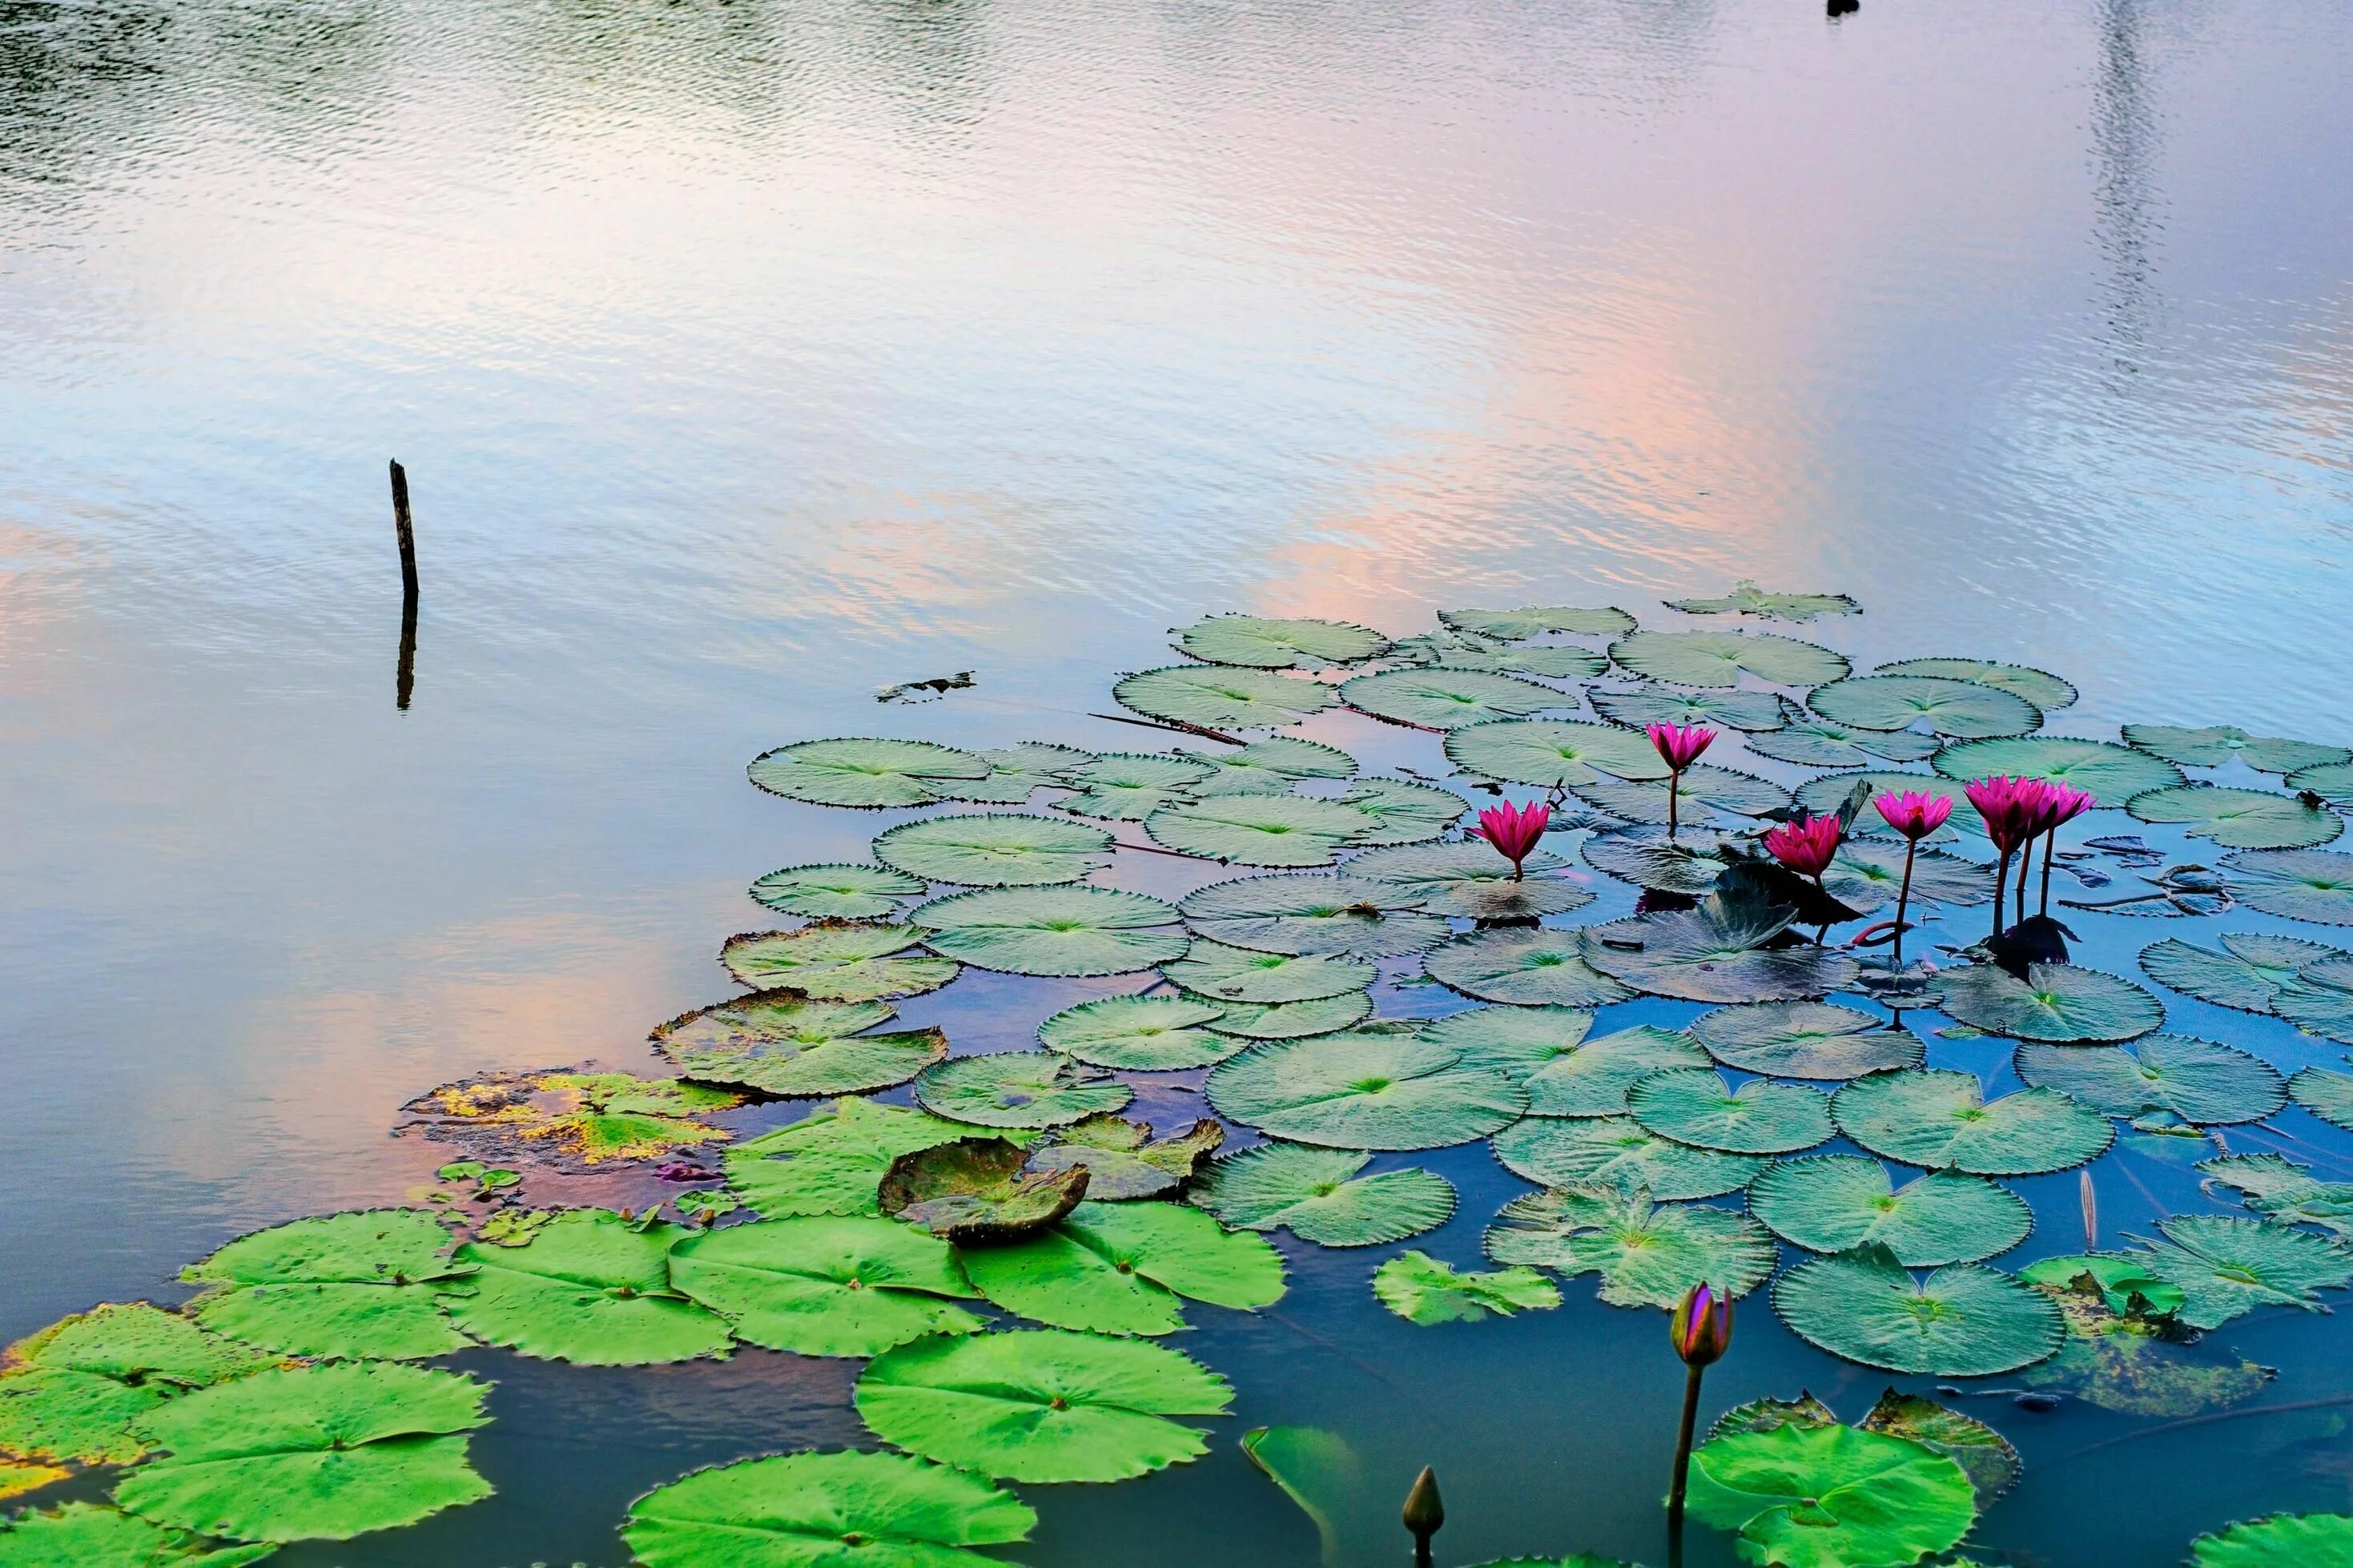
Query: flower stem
{"points": [[1903, 897], [1674, 789], [2024, 865], [2049, 843], [2000, 886], [1682, 1450]]}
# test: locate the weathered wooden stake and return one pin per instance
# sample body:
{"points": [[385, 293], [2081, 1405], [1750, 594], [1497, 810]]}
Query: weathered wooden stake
{"points": [[401, 529], [404, 678], [1424, 1513]]}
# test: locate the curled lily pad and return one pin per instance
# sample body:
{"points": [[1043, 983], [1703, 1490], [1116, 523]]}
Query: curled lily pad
{"points": [[1019, 1089], [571, 1121], [1424, 1291], [2239, 818], [830, 1160], [1546, 1052], [1719, 659], [1648, 1254], [977, 1189], [1530, 967], [1696, 1106], [1345, 914], [2248, 974], [2056, 1002], [1074, 931], [1245, 974], [350, 1285], [1223, 696], [2168, 1075], [1829, 1203], [781, 1043], [313, 1452], [1267, 767], [1123, 1161], [1804, 1039], [1748, 599], [1442, 699], [1119, 1269], [2040, 687], [2220, 743], [2121, 1281], [1822, 796], [995, 849], [1702, 789], [84, 1535], [1958, 708], [864, 772], [1014, 773], [1940, 1120], [1868, 873], [2111, 773], [1826, 1496], [2313, 885], [1403, 812], [819, 1511], [1717, 710], [588, 1287], [1147, 1033], [2278, 1541], [836, 892], [1529, 621], [1553, 753], [2330, 781], [1715, 953], [826, 1286], [1807, 738], [1287, 1020], [76, 1390], [1617, 1151], [1963, 1320], [1471, 880], [1265, 643], [1363, 1090], [1688, 863], [2226, 1266], [837, 961], [1042, 1405], [1128, 786], [1318, 1195], [1259, 829]]}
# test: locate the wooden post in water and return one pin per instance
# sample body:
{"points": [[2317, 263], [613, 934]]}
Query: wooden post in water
{"points": [[405, 678]]}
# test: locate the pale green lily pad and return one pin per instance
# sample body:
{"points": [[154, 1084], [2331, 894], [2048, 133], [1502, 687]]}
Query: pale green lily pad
{"points": [[2239, 818], [1267, 767], [1696, 1106], [1813, 741], [1259, 829], [2056, 1002], [1688, 863], [864, 772], [1223, 696], [995, 849], [1553, 753], [1014, 773], [2040, 687], [1830, 1203], [2111, 773], [1822, 796], [836, 892], [2330, 781], [1529, 621], [310, 1453], [1245, 974], [1961, 710], [1804, 1039], [826, 1286], [1042, 1405], [75, 1390], [1964, 1321], [836, 961], [1265, 643], [1119, 1269], [1076, 930], [1343, 914], [830, 1160], [2219, 743], [1318, 1195], [1715, 953], [1363, 1090], [2314, 885], [1426, 1291], [1403, 812], [1145, 1034], [1831, 1497], [1461, 652], [350, 1285], [2227, 1266], [1473, 880], [2320, 1001], [825, 1511], [2328, 1095], [1536, 967], [780, 1043], [1617, 1151], [1123, 1161], [589, 1287], [1546, 1052], [1748, 599], [1128, 786], [1868, 873], [1442, 699], [1703, 788], [1719, 659], [2247, 975], [2171, 1076], [1648, 1254], [1718, 711], [1286, 1020], [84, 1535], [1939, 1120], [1019, 1089], [977, 1190], [2279, 1540], [2279, 1189]]}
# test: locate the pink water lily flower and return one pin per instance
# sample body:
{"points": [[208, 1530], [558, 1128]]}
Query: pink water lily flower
{"points": [[1913, 815], [1515, 831], [2061, 804], [1806, 846], [2012, 809], [1679, 746]]}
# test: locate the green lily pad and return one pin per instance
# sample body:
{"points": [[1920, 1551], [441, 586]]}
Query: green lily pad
{"points": [[2040, 687], [2197, 1081], [575, 1123], [1473, 880], [1804, 1039], [2220, 743], [1529, 621], [1867, 874], [1147, 1034], [2056, 1002], [1344, 914], [76, 1389], [1403, 812], [830, 1160], [1748, 599], [1827, 1497], [1318, 1195], [1553, 753], [825, 1511], [1264, 643], [780, 1043], [1719, 659], [1822, 796], [310, 1453], [589, 1287], [2277, 1189], [2122, 1281], [2330, 781], [1830, 1203], [2314, 885], [1119, 1269], [1696, 1106], [2247, 975], [826, 1286], [1688, 863], [1964, 1321], [1939, 1120], [84, 1535], [350, 1285], [1961, 709], [1442, 699], [1718, 711], [2319, 1001], [1287, 1020], [995, 849], [1014, 773], [2112, 774], [1546, 1052], [1810, 740], [836, 892], [1019, 1089], [1423, 1290], [863, 773], [1539, 967], [2227, 1266], [2328, 1095], [834, 961], [1259, 829], [1461, 651], [1703, 788], [1123, 1161], [1715, 953], [1267, 767], [2279, 1540], [2239, 818], [1363, 1090], [1128, 786], [1617, 1151], [1223, 696], [1648, 1254], [1076, 930], [1042, 1405], [976, 1190], [1245, 974]]}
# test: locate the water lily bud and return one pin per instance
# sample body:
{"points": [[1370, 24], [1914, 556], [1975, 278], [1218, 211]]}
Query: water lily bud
{"points": [[1701, 1326], [1424, 1511]]}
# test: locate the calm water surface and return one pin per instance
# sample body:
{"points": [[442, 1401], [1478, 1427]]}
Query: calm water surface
{"points": [[747, 357]]}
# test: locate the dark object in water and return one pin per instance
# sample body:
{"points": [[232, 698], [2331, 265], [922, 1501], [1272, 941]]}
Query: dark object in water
{"points": [[2038, 1402], [2038, 938], [930, 690], [1845, 7]]}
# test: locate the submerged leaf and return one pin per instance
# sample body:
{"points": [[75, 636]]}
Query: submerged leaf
{"points": [[2056, 1002], [1831, 1497], [1363, 1090], [826, 1287], [1014, 773], [2174, 1076], [1147, 1034], [1616, 1152], [1823, 795], [1315, 1469], [977, 1189], [1688, 863], [821, 1510], [836, 892], [1804, 1039], [1647, 1254], [589, 1287], [1964, 1321], [1019, 1089], [1403, 812], [1867, 874], [1118, 1268], [1816, 742], [2247, 975], [1318, 1196], [1267, 767], [1939, 1120], [995, 849], [2239, 818], [1715, 952], [1423, 1290], [863, 773], [1245, 974], [2279, 1189], [1830, 1203], [1265, 643], [1075, 931], [1717, 710], [1287, 1020], [830, 1160], [1984, 1454], [1702, 789], [837, 961], [1128, 786], [1546, 1052], [1222, 697], [1553, 753]]}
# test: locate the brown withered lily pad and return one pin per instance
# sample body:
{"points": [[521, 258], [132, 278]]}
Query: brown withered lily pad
{"points": [[573, 1122], [1122, 1159], [975, 1189]]}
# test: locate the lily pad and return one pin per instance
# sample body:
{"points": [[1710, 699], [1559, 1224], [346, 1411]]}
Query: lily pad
{"points": [[830, 1160], [820, 1510], [1553, 753], [2330, 781], [2277, 1189], [2247, 975], [1546, 1051], [1363, 1090], [2111, 773], [1703, 788], [1471, 880], [1426, 1291], [1041, 1404], [1715, 953], [2173, 1076], [2320, 1000], [1223, 696], [1688, 863], [2314, 885], [2278, 1541], [1265, 643], [1648, 1254], [836, 961], [1344, 914], [1403, 812], [1316, 1468], [1259, 829], [1813, 741], [1827, 1497], [2138, 1366], [1962, 710], [1748, 599], [1939, 1120], [350, 1285], [1019, 1089], [1075, 931], [2219, 743], [1830, 1203], [1119, 1269], [1539, 967], [1244, 975], [1458, 652], [84, 1535], [1719, 658], [1718, 711], [1014, 773], [1128, 786], [864, 772], [780, 1043], [1123, 1161], [2121, 1281], [75, 1390], [311, 1453], [1696, 1106], [1867, 874], [2239, 818], [589, 1287], [1286, 1020], [995, 849], [836, 892], [1823, 795], [1529, 621], [1146, 1034], [826, 1286], [1442, 699], [1964, 1321], [571, 1121], [2040, 687], [1318, 1195], [1804, 1039], [1267, 767], [2056, 1002], [2227, 1266], [2328, 1095], [1617, 1151], [977, 1189]]}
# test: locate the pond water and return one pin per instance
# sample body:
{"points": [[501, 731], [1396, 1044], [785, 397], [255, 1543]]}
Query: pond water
{"points": [[749, 357]]}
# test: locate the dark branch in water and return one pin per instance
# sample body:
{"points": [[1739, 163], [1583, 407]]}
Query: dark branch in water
{"points": [[1175, 726]]}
